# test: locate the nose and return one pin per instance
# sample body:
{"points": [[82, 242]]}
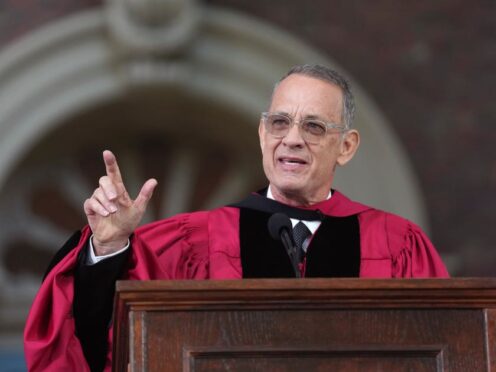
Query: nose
{"points": [[293, 138]]}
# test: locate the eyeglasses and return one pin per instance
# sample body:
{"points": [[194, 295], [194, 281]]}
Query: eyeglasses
{"points": [[311, 130]]}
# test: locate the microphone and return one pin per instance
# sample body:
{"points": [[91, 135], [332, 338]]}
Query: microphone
{"points": [[280, 228]]}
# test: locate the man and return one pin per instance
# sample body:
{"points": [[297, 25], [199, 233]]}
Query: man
{"points": [[305, 134]]}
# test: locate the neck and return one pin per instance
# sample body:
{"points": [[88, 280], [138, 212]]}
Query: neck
{"points": [[295, 199]]}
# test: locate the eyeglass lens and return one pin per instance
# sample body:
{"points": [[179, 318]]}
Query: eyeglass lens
{"points": [[279, 126]]}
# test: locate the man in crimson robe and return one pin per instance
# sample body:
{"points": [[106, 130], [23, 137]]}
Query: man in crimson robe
{"points": [[304, 136]]}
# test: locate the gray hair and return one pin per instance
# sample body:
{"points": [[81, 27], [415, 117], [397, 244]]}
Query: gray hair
{"points": [[329, 75]]}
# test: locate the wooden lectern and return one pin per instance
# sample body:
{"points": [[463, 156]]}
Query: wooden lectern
{"points": [[306, 325]]}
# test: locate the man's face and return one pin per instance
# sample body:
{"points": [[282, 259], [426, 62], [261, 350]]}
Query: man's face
{"points": [[300, 173]]}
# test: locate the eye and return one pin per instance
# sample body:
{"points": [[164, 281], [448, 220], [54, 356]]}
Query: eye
{"points": [[314, 127], [278, 121]]}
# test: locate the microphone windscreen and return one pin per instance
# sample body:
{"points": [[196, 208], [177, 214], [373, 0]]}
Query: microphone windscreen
{"points": [[278, 222]]}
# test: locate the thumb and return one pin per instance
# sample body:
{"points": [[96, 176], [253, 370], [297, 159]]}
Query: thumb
{"points": [[145, 194]]}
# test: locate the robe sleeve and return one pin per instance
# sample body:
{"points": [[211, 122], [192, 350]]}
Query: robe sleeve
{"points": [[413, 254], [175, 248]]}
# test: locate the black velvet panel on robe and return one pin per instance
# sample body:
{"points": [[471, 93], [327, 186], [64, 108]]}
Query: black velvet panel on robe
{"points": [[94, 289], [334, 250]]}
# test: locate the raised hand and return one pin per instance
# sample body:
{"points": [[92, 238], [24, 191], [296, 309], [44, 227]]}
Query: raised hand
{"points": [[112, 214]]}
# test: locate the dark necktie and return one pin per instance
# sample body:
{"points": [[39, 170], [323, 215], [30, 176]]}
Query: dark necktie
{"points": [[300, 233]]}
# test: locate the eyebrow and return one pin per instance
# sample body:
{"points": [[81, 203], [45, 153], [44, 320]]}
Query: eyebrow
{"points": [[281, 113], [307, 117], [314, 117]]}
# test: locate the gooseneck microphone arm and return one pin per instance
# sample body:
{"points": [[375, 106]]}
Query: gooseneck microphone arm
{"points": [[280, 228]]}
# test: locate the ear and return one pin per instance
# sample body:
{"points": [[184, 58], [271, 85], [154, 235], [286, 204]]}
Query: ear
{"points": [[349, 146], [261, 134]]}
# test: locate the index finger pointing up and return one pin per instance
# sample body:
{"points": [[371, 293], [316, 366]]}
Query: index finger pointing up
{"points": [[111, 166]]}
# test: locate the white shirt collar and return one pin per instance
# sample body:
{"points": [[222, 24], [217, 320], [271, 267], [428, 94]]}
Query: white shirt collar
{"points": [[312, 225]]}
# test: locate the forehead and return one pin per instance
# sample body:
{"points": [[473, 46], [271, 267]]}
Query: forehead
{"points": [[304, 95]]}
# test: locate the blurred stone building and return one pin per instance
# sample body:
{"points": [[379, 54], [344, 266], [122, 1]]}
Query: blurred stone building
{"points": [[175, 88]]}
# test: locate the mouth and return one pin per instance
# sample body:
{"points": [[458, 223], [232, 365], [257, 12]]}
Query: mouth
{"points": [[291, 161]]}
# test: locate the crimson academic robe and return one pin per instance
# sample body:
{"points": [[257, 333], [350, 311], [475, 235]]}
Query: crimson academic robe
{"points": [[206, 245]]}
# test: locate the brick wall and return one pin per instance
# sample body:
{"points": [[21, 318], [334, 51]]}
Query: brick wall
{"points": [[20, 16]]}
